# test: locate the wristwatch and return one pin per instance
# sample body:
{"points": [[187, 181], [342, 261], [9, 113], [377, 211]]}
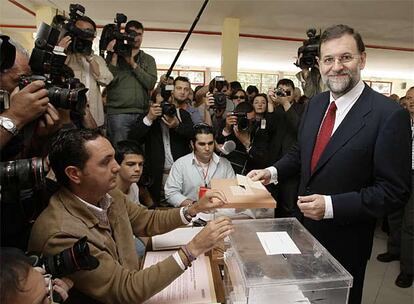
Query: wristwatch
{"points": [[8, 124]]}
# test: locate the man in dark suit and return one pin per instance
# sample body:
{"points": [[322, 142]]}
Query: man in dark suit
{"points": [[166, 138], [353, 153]]}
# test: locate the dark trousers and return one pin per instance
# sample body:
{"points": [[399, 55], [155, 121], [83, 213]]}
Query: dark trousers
{"points": [[401, 238]]}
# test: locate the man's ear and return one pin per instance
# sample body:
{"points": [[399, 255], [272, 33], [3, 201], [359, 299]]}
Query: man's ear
{"points": [[192, 145], [74, 174]]}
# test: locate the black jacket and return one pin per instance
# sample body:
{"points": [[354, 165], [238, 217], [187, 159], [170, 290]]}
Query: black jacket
{"points": [[151, 137]]}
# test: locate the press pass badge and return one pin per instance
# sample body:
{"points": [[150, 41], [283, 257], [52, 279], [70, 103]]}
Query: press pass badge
{"points": [[263, 124]]}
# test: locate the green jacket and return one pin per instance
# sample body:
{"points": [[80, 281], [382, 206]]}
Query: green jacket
{"points": [[129, 90]]}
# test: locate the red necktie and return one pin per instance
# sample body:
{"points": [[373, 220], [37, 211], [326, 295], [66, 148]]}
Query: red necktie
{"points": [[324, 135]]}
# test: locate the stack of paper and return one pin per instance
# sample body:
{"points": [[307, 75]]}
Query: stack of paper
{"points": [[195, 285], [175, 238]]}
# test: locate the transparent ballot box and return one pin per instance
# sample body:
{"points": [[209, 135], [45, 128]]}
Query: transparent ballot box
{"points": [[279, 261]]}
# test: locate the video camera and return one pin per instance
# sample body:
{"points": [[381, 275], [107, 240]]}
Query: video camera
{"points": [[24, 173], [308, 52], [81, 38], [124, 41], [220, 99], [47, 62], [242, 120]]}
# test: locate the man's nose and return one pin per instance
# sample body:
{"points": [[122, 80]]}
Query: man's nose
{"points": [[116, 167], [337, 65]]}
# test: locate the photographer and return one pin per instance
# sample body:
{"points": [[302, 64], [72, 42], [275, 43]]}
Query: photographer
{"points": [[25, 105], [91, 69], [128, 93], [166, 133], [249, 135], [26, 124], [309, 76], [283, 120], [20, 283]]}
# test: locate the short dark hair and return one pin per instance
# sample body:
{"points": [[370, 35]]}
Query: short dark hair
{"points": [[245, 107], [286, 82], [126, 147], [68, 149], [201, 128], [89, 20], [183, 79], [339, 30], [252, 89], [15, 268], [134, 23], [234, 85], [238, 90]]}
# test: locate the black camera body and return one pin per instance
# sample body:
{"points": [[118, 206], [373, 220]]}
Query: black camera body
{"points": [[168, 108], [220, 100], [309, 50], [47, 63], [242, 120], [124, 41], [67, 261], [282, 93]]}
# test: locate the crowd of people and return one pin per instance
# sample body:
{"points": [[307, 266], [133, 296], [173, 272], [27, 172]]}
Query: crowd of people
{"points": [[336, 161]]}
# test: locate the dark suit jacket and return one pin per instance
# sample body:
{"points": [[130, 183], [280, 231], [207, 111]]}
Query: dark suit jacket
{"points": [[151, 137], [365, 168]]}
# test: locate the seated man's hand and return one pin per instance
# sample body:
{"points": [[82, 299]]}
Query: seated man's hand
{"points": [[27, 104], [260, 175], [207, 238], [211, 200]]}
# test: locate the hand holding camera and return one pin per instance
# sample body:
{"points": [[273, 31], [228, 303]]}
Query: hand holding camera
{"points": [[209, 100], [28, 103], [231, 121], [154, 112], [171, 122]]}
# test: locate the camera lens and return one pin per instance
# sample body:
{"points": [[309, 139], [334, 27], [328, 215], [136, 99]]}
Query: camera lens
{"points": [[220, 100], [26, 173]]}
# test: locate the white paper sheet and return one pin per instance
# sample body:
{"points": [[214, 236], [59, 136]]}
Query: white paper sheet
{"points": [[248, 183], [195, 285], [175, 238], [277, 242]]}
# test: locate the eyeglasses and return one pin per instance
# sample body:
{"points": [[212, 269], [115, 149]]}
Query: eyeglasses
{"points": [[239, 97], [328, 61]]}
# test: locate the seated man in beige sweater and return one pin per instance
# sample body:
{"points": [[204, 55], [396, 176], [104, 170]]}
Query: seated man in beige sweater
{"points": [[85, 167]]}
